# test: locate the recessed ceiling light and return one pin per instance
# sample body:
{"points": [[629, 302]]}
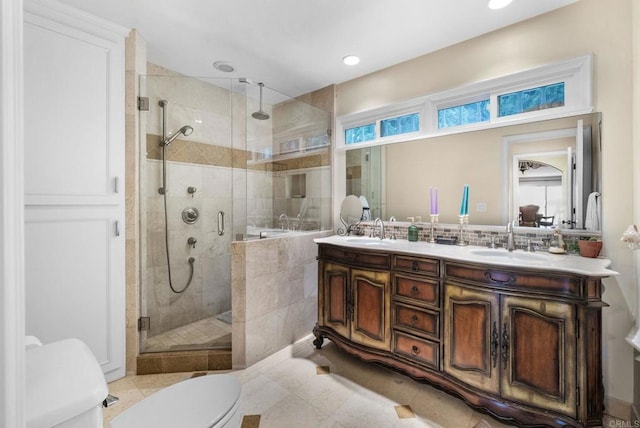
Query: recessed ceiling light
{"points": [[498, 4], [224, 66], [351, 60]]}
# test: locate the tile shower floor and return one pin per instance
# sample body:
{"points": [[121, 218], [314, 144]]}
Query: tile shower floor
{"points": [[301, 387], [203, 334]]}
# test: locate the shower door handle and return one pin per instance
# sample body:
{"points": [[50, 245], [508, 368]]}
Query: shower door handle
{"points": [[220, 223]]}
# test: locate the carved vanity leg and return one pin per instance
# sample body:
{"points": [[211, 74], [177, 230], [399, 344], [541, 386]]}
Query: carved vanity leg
{"points": [[319, 340]]}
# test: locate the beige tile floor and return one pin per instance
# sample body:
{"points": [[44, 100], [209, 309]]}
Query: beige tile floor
{"points": [[201, 333], [301, 387]]}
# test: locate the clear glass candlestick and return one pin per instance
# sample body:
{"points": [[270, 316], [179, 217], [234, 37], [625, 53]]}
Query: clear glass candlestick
{"points": [[434, 221], [463, 220]]}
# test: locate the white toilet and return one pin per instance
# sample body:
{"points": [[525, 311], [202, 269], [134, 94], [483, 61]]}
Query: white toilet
{"points": [[64, 385], [65, 388]]}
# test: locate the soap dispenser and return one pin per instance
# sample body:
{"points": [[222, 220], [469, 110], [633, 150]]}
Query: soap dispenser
{"points": [[557, 243], [412, 230]]}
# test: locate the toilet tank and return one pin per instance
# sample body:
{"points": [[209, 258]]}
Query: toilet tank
{"points": [[64, 382]]}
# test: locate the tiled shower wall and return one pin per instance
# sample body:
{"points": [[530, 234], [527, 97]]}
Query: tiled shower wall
{"points": [[209, 293], [275, 294]]}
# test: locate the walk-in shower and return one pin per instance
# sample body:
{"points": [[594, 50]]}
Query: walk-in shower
{"points": [[220, 175]]}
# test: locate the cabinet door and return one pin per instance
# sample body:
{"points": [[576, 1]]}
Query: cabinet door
{"points": [[471, 336], [538, 353], [73, 181], [336, 310], [371, 309]]}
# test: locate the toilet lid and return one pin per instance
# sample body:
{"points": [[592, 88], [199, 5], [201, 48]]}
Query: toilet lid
{"points": [[199, 402]]}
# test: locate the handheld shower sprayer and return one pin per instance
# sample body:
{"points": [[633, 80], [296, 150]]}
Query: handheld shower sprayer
{"points": [[185, 130]]}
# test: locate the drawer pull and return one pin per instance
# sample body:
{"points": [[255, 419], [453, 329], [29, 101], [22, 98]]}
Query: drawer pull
{"points": [[500, 278], [414, 320], [414, 290], [505, 345], [415, 266], [415, 350], [494, 344], [350, 256]]}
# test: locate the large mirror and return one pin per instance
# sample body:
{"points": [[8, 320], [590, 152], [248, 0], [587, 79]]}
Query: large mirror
{"points": [[540, 174]]}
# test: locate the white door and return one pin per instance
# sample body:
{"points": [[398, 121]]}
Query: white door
{"points": [[74, 183]]}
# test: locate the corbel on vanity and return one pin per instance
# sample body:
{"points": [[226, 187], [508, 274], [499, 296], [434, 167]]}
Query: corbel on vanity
{"points": [[517, 335]]}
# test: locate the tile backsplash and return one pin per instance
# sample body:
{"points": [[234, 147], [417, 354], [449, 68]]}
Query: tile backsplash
{"points": [[481, 235]]}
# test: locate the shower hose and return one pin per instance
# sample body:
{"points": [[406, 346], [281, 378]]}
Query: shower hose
{"points": [[166, 233]]}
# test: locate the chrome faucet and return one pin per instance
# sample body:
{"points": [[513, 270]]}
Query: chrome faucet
{"points": [[393, 230], [378, 221], [286, 218], [510, 241]]}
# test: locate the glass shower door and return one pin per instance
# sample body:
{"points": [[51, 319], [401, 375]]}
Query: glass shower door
{"points": [[186, 204]]}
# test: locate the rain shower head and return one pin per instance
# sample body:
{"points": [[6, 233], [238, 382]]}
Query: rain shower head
{"points": [[185, 130], [260, 115]]}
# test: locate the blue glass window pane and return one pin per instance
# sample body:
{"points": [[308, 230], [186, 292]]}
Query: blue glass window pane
{"points": [[360, 134], [400, 125], [464, 114], [540, 98]]}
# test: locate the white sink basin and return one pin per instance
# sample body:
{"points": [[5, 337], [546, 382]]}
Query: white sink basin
{"points": [[504, 254], [370, 242]]}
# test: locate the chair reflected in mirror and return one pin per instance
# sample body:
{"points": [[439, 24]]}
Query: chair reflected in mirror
{"points": [[546, 221], [529, 216]]}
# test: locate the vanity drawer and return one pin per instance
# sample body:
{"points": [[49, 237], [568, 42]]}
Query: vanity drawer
{"points": [[418, 290], [565, 285], [420, 350], [420, 321], [417, 265], [355, 257]]}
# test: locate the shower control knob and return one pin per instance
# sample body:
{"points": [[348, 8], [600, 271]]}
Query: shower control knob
{"points": [[190, 215]]}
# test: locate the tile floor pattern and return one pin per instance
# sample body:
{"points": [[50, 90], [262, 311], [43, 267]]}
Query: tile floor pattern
{"points": [[200, 334], [301, 387]]}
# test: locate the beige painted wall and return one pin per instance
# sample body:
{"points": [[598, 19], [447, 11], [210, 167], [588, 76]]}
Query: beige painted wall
{"points": [[588, 26]]}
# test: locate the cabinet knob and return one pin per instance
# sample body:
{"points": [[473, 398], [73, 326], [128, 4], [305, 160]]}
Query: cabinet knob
{"points": [[415, 350], [414, 320], [414, 291]]}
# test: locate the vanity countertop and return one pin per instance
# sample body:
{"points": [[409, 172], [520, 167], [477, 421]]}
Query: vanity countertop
{"points": [[544, 261]]}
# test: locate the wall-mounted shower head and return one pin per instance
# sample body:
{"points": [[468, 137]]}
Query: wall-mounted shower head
{"points": [[185, 130], [260, 115]]}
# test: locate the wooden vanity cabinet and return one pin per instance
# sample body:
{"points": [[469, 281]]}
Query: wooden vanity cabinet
{"points": [[356, 297], [520, 348], [523, 345]]}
